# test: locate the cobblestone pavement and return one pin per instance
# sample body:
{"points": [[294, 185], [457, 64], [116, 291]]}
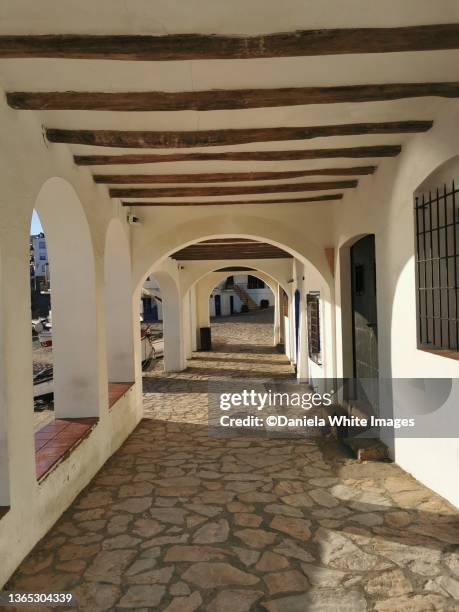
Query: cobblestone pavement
{"points": [[180, 521]]}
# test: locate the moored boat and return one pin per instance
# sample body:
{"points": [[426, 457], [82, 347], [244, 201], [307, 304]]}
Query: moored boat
{"points": [[43, 383], [46, 338]]}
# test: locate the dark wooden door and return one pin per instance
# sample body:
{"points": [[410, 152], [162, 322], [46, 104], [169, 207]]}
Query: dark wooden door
{"points": [[231, 304], [218, 307], [364, 309]]}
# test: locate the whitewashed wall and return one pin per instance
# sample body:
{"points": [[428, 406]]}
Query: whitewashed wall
{"points": [[26, 164], [383, 205]]}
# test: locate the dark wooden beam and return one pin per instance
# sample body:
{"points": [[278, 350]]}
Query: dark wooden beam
{"points": [[183, 192], [236, 269], [260, 247], [216, 256], [238, 251], [230, 254], [297, 154], [213, 138], [229, 241], [205, 46], [227, 177], [234, 252], [224, 99], [320, 198]]}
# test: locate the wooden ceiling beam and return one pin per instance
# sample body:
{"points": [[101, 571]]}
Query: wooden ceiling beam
{"points": [[231, 255], [234, 253], [225, 99], [237, 250], [320, 198], [183, 192], [229, 241], [247, 246], [292, 155], [212, 138], [204, 46], [226, 177]]}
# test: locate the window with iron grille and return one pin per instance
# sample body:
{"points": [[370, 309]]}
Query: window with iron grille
{"points": [[437, 268], [313, 311]]}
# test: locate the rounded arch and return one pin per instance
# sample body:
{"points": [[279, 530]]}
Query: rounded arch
{"points": [[73, 294], [210, 267], [421, 328], [174, 354], [255, 228], [441, 174], [197, 301], [266, 278], [118, 303], [216, 277]]}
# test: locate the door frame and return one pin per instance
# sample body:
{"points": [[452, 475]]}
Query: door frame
{"points": [[219, 302], [354, 360], [346, 369]]}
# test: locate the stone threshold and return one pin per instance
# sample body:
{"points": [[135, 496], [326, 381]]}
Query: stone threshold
{"points": [[116, 391], [57, 440]]}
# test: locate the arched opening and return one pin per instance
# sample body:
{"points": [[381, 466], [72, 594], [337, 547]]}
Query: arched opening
{"points": [[160, 343], [151, 324], [73, 330], [436, 245], [241, 309], [291, 270], [41, 314]]}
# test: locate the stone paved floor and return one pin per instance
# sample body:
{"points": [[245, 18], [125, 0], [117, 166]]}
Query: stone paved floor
{"points": [[179, 521]]}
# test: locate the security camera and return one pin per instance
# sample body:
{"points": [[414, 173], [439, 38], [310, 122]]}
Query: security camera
{"points": [[133, 220]]}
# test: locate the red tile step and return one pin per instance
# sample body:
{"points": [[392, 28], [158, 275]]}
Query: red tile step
{"points": [[116, 391], [55, 441]]}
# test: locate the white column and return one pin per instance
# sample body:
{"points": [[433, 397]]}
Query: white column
{"points": [[202, 308], [291, 319], [302, 371], [277, 315], [118, 305], [135, 323], [17, 450], [187, 324], [194, 319], [76, 355], [174, 350]]}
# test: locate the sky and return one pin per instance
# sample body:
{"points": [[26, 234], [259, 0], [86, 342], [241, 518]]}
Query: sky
{"points": [[35, 226]]}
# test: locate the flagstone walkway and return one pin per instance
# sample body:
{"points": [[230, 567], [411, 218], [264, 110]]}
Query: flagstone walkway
{"points": [[180, 521]]}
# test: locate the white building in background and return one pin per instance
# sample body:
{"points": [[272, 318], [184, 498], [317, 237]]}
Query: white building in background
{"points": [[39, 254], [240, 293], [151, 305]]}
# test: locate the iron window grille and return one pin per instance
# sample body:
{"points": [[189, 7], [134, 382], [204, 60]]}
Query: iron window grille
{"points": [[437, 268], [313, 312]]}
